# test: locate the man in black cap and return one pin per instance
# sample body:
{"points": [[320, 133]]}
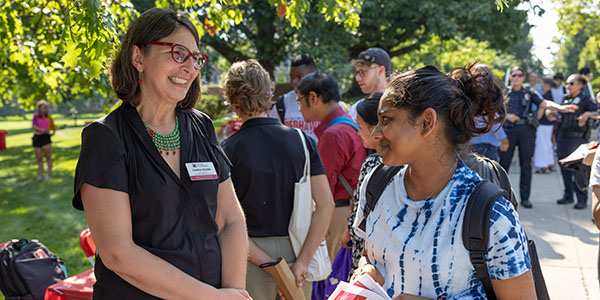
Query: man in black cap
{"points": [[371, 69]]}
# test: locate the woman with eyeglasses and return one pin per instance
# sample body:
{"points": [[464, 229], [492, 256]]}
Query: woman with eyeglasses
{"points": [[153, 180], [573, 130], [520, 127]]}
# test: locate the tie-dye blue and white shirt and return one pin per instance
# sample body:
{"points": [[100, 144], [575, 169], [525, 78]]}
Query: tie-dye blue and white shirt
{"points": [[417, 245]]}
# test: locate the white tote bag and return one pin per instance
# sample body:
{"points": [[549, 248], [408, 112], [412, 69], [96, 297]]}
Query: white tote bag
{"points": [[320, 265]]}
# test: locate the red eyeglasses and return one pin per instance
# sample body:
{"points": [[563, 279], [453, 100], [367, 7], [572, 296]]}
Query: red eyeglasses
{"points": [[181, 54]]}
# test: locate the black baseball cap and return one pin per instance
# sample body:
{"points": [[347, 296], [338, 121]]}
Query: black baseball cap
{"points": [[377, 56]]}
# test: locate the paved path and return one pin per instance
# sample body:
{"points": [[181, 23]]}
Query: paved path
{"points": [[566, 239]]}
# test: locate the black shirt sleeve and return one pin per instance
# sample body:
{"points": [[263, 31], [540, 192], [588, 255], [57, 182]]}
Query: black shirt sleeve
{"points": [[101, 162], [590, 104], [535, 98], [316, 165]]}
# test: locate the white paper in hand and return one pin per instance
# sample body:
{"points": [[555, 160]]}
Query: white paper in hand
{"points": [[367, 282], [364, 288]]}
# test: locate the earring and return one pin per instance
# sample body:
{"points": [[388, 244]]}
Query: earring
{"points": [[139, 80]]}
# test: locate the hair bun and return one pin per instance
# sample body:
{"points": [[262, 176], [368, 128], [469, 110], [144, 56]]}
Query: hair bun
{"points": [[483, 104]]}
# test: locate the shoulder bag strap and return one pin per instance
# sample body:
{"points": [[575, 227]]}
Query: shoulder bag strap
{"points": [[306, 173], [346, 184], [476, 226], [343, 120]]}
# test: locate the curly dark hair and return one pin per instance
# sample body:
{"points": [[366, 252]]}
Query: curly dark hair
{"points": [[468, 103]]}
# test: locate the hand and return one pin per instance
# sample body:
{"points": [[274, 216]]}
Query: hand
{"points": [[345, 239], [512, 118], [588, 160], [371, 270], [582, 119], [233, 294], [504, 144], [569, 108], [299, 271]]}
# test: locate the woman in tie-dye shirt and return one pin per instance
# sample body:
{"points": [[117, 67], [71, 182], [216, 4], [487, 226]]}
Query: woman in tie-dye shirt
{"points": [[413, 237]]}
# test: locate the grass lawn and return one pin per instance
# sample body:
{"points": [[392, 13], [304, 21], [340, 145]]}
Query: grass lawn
{"points": [[42, 210]]}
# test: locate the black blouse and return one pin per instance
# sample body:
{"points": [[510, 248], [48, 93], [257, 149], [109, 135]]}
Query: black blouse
{"points": [[172, 218]]}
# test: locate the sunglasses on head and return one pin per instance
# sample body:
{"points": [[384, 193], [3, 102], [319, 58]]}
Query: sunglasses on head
{"points": [[180, 54], [517, 75]]}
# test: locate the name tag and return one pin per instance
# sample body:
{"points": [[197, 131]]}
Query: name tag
{"points": [[201, 171]]}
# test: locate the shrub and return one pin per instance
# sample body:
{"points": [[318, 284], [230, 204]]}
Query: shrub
{"points": [[212, 105]]}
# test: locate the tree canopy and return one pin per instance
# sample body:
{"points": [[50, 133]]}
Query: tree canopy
{"points": [[579, 24], [59, 50]]}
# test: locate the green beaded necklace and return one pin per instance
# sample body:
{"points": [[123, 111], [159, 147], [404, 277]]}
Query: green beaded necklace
{"points": [[165, 142]]}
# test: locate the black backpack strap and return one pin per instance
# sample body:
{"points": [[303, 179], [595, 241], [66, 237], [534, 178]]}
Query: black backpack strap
{"points": [[476, 227], [377, 183], [502, 180], [280, 108]]}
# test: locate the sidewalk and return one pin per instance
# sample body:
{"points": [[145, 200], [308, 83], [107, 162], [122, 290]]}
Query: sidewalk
{"points": [[566, 239]]}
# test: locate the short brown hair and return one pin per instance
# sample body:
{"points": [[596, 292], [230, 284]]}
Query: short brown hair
{"points": [[248, 87], [153, 25]]}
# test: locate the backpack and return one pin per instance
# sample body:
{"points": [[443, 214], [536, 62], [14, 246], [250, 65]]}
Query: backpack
{"points": [[476, 224], [280, 108], [491, 170], [27, 268]]}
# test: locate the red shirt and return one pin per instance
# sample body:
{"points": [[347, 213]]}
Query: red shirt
{"points": [[341, 151]]}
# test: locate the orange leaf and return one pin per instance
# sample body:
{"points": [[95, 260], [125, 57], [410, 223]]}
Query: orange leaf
{"points": [[281, 9]]}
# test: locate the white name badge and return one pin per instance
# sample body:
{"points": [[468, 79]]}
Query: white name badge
{"points": [[201, 171]]}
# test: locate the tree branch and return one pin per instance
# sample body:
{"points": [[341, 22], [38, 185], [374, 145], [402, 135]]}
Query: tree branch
{"points": [[406, 49], [226, 50]]}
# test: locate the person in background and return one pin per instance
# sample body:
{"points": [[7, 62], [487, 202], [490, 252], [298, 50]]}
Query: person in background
{"points": [[588, 91], [43, 129], [573, 130], [558, 89], [268, 159], [489, 143], [520, 127], [366, 120], [412, 237], [534, 82], [340, 146], [543, 155], [285, 108], [154, 182], [371, 69]]}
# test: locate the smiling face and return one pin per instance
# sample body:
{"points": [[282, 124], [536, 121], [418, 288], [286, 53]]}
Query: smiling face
{"points": [[163, 79], [398, 137]]}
